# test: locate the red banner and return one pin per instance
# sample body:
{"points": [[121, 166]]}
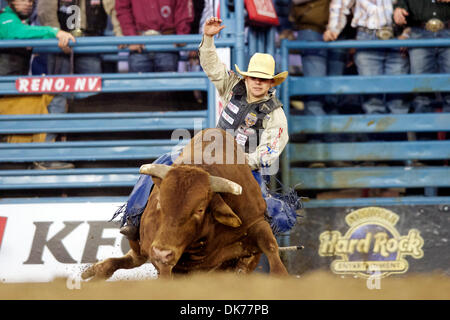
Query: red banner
{"points": [[2, 228], [261, 12], [59, 84]]}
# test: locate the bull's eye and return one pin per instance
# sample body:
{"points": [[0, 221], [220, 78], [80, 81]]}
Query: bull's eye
{"points": [[198, 214]]}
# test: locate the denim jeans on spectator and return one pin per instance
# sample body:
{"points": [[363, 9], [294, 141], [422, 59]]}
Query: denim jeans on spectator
{"points": [[320, 63], [372, 62], [60, 64], [429, 60], [153, 62]]}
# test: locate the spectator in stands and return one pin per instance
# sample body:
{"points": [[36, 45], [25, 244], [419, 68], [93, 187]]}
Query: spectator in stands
{"points": [[89, 19], [38, 60], [14, 24], [373, 20], [428, 20], [80, 18], [309, 19], [151, 17]]}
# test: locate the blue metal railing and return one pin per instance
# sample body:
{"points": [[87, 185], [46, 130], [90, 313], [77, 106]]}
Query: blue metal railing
{"points": [[357, 85], [232, 37]]}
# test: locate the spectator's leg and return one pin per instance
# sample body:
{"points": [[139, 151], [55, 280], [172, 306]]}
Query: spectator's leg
{"points": [[336, 66], [397, 103], [140, 62], [314, 63], [444, 67], [39, 64], [57, 64], [397, 64], [369, 62], [423, 60], [166, 61], [88, 64]]}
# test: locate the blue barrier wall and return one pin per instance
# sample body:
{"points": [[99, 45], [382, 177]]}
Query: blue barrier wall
{"points": [[263, 40], [373, 177], [232, 37]]}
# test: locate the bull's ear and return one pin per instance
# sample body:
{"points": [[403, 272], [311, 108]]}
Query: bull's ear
{"points": [[223, 213]]}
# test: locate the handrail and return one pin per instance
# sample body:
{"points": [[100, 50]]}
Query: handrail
{"points": [[233, 37], [110, 44], [113, 82], [343, 84], [396, 43]]}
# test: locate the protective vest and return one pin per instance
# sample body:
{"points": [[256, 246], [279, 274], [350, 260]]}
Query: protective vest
{"points": [[244, 119], [96, 17]]}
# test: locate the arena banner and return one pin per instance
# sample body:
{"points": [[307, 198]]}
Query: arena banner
{"points": [[262, 12], [363, 241], [41, 241], [55, 84]]}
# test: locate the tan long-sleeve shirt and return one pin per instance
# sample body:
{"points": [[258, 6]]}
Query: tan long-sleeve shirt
{"points": [[275, 135]]}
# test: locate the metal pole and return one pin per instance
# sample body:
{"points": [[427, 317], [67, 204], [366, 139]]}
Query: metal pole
{"points": [[240, 40], [211, 118], [285, 156]]}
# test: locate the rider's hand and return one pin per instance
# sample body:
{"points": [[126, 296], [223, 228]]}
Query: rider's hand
{"points": [[212, 26]]}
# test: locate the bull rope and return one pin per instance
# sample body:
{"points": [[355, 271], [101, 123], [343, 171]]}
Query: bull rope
{"points": [[291, 248]]}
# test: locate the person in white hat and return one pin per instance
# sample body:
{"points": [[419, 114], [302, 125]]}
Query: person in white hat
{"points": [[251, 107], [255, 116]]}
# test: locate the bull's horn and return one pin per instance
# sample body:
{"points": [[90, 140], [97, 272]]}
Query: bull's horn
{"points": [[156, 170], [219, 184]]}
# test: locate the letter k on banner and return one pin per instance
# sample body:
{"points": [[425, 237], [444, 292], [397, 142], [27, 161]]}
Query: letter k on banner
{"points": [[2, 228]]}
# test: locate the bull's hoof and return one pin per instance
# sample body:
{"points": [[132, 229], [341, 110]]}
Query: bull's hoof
{"points": [[97, 271], [89, 273]]}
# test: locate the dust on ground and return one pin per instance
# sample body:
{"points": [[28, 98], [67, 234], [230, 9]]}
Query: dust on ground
{"points": [[223, 286]]}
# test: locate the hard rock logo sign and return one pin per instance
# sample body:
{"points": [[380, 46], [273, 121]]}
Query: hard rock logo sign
{"points": [[371, 243]]}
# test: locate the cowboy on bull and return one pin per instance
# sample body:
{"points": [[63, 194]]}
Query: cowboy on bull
{"points": [[253, 113]]}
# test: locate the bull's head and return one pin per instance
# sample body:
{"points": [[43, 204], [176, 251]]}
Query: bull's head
{"points": [[187, 195]]}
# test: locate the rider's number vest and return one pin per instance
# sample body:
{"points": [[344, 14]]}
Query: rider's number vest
{"points": [[244, 119]]}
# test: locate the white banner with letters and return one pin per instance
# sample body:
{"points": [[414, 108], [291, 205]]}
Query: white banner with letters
{"points": [[41, 241]]}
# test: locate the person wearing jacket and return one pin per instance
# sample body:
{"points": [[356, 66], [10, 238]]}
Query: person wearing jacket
{"points": [[427, 20], [14, 24], [373, 21], [257, 119], [153, 17]]}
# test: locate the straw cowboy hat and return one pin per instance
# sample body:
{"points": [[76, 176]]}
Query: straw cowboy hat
{"points": [[262, 65]]}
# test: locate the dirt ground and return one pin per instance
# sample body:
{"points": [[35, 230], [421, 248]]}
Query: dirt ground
{"points": [[316, 285]]}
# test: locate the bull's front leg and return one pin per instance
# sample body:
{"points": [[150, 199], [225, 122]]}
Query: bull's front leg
{"points": [[262, 235], [106, 268]]}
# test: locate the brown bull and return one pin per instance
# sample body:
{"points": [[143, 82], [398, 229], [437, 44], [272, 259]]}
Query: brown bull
{"points": [[198, 217]]}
